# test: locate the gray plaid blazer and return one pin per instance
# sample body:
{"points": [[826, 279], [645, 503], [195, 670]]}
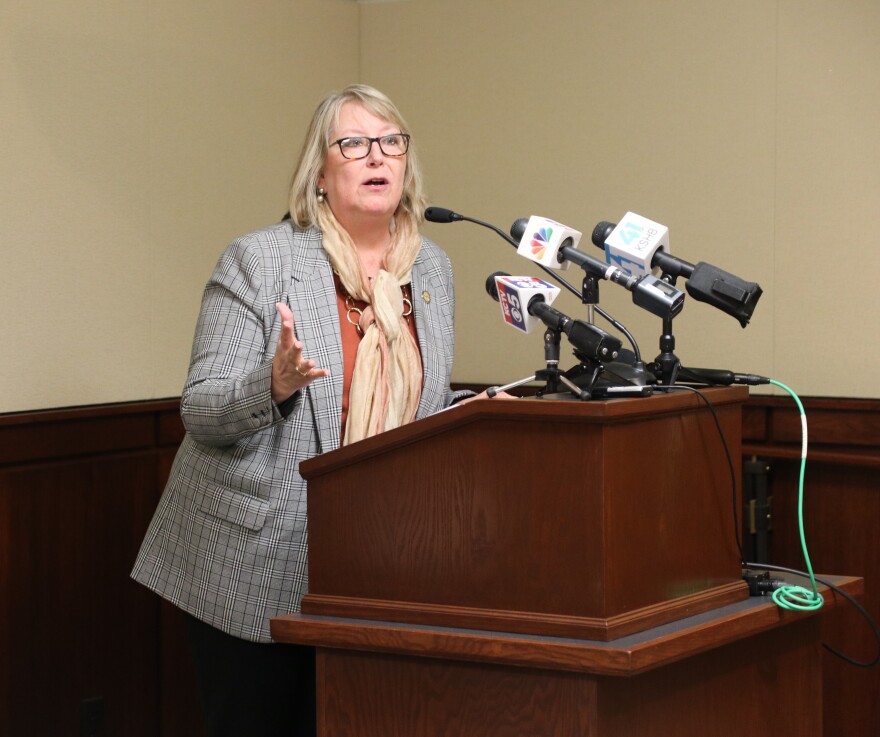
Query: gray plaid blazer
{"points": [[228, 541]]}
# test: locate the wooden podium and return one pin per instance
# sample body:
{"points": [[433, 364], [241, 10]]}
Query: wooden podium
{"points": [[581, 519], [502, 559]]}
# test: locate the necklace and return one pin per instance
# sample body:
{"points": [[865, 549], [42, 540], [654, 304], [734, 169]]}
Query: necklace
{"points": [[356, 307]]}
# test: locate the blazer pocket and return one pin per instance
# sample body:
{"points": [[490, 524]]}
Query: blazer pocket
{"points": [[239, 509]]}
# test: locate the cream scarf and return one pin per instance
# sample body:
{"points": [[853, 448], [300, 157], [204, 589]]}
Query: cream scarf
{"points": [[387, 380]]}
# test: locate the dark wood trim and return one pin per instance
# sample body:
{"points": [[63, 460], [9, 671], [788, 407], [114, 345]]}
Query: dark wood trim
{"points": [[840, 430], [75, 432]]}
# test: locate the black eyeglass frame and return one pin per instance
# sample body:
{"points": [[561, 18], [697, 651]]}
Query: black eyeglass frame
{"points": [[376, 140]]}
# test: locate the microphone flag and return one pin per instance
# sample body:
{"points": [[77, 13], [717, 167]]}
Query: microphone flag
{"points": [[542, 240], [516, 292], [633, 242]]}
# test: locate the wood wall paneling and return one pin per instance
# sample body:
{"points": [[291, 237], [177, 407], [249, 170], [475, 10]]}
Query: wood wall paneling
{"points": [[841, 514], [77, 490], [78, 487]]}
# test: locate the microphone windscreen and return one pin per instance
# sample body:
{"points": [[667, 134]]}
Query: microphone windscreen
{"points": [[601, 233], [518, 228], [491, 286], [441, 215]]}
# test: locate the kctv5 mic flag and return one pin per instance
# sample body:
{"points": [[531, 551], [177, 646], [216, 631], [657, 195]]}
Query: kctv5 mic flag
{"points": [[515, 293]]}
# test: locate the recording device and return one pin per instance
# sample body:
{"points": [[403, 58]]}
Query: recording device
{"points": [[553, 245], [638, 245], [525, 295]]}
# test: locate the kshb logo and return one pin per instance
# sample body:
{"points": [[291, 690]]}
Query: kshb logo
{"points": [[638, 237], [633, 243]]}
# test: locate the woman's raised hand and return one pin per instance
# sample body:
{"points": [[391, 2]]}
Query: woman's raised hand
{"points": [[290, 371]]}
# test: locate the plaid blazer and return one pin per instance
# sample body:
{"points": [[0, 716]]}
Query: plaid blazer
{"points": [[228, 541]]}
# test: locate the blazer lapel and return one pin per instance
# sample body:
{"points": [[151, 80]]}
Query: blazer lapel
{"points": [[312, 299]]}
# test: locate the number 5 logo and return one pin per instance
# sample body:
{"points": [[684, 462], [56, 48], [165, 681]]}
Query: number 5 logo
{"points": [[515, 310]]}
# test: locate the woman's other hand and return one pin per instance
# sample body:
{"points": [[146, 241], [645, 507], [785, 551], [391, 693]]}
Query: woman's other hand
{"points": [[486, 395]]}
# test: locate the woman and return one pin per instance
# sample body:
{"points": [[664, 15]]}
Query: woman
{"points": [[316, 332]]}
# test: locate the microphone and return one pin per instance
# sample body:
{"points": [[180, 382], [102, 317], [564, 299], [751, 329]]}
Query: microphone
{"points": [[548, 243], [553, 245], [719, 377], [525, 295], [521, 298], [632, 244], [640, 244], [441, 215]]}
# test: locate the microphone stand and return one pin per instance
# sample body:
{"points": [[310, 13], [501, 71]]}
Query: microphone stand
{"points": [[667, 365], [617, 373], [551, 375], [590, 294]]}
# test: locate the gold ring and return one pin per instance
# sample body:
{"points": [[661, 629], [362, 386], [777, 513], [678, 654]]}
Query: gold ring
{"points": [[302, 373]]}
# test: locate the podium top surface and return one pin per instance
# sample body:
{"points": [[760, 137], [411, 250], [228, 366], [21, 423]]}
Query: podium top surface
{"points": [[601, 411]]}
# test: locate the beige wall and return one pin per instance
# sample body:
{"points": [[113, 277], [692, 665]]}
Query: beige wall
{"points": [[750, 128], [138, 138]]}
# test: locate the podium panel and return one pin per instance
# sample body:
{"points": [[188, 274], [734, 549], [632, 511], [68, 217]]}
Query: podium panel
{"points": [[583, 519], [745, 668], [366, 695]]}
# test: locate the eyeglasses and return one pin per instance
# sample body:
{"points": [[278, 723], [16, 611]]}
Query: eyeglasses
{"points": [[358, 147]]}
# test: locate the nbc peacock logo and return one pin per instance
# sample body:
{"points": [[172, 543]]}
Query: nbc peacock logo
{"points": [[539, 242]]}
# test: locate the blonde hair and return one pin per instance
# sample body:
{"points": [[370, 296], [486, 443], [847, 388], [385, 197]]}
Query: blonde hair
{"points": [[304, 205]]}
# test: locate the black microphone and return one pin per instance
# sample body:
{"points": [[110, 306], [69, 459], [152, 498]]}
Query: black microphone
{"points": [[706, 283], [648, 292], [586, 338], [442, 215], [718, 377], [639, 245]]}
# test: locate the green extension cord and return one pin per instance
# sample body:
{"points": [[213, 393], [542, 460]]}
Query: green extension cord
{"points": [[797, 597]]}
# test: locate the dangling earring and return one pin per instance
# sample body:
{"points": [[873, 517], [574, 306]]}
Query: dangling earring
{"points": [[321, 193]]}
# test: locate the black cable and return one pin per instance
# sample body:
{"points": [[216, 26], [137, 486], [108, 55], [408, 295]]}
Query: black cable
{"points": [[871, 623], [736, 530], [758, 566]]}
